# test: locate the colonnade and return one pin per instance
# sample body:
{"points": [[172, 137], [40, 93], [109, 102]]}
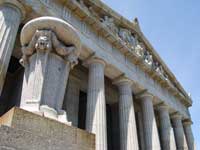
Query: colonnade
{"points": [[178, 134]]}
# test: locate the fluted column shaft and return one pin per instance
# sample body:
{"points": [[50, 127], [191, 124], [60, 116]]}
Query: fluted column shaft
{"points": [[96, 104], [128, 131], [10, 17], [150, 128], [71, 100], [179, 132], [167, 135], [188, 134], [141, 131]]}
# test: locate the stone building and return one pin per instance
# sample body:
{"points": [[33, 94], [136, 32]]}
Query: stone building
{"points": [[83, 65]]}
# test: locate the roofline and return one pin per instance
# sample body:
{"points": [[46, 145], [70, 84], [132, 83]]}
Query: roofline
{"points": [[136, 27]]}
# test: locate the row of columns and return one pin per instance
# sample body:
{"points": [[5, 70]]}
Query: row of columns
{"points": [[11, 14], [171, 137]]}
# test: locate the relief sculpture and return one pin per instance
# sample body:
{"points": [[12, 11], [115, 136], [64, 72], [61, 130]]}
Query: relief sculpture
{"points": [[109, 22], [127, 37], [47, 41]]}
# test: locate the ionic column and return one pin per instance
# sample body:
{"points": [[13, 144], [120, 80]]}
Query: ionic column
{"points": [[179, 132], [167, 135], [11, 14], [188, 134], [151, 137], [71, 100], [47, 63], [128, 131], [96, 104]]}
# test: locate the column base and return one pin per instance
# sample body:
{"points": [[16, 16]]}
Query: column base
{"points": [[53, 114], [32, 107], [48, 112]]}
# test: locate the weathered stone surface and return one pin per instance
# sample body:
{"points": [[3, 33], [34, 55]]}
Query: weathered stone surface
{"points": [[151, 137], [96, 104], [128, 131], [118, 63], [166, 132], [98, 30], [188, 134], [71, 100], [180, 139], [11, 14], [22, 130], [50, 49], [141, 131]]}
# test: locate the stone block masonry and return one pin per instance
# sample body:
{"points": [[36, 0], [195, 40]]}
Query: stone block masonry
{"points": [[20, 130]]}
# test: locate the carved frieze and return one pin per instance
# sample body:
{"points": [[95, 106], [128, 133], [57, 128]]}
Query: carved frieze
{"points": [[159, 69], [82, 4], [109, 22], [140, 49], [127, 37], [89, 9], [148, 59]]}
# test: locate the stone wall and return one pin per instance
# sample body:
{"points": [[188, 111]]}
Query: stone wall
{"points": [[22, 130]]}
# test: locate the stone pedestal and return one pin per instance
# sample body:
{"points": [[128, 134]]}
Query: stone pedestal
{"points": [[47, 63], [23, 130], [128, 131], [166, 131], [181, 143], [96, 104], [11, 14], [151, 137], [188, 134]]}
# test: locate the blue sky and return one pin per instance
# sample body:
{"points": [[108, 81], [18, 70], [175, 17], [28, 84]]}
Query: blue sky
{"points": [[173, 28]]}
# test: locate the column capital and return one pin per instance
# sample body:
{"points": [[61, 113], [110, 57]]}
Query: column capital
{"points": [[162, 106], [50, 35], [176, 116], [122, 80], [96, 60], [187, 122], [93, 58], [16, 4], [144, 95]]}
